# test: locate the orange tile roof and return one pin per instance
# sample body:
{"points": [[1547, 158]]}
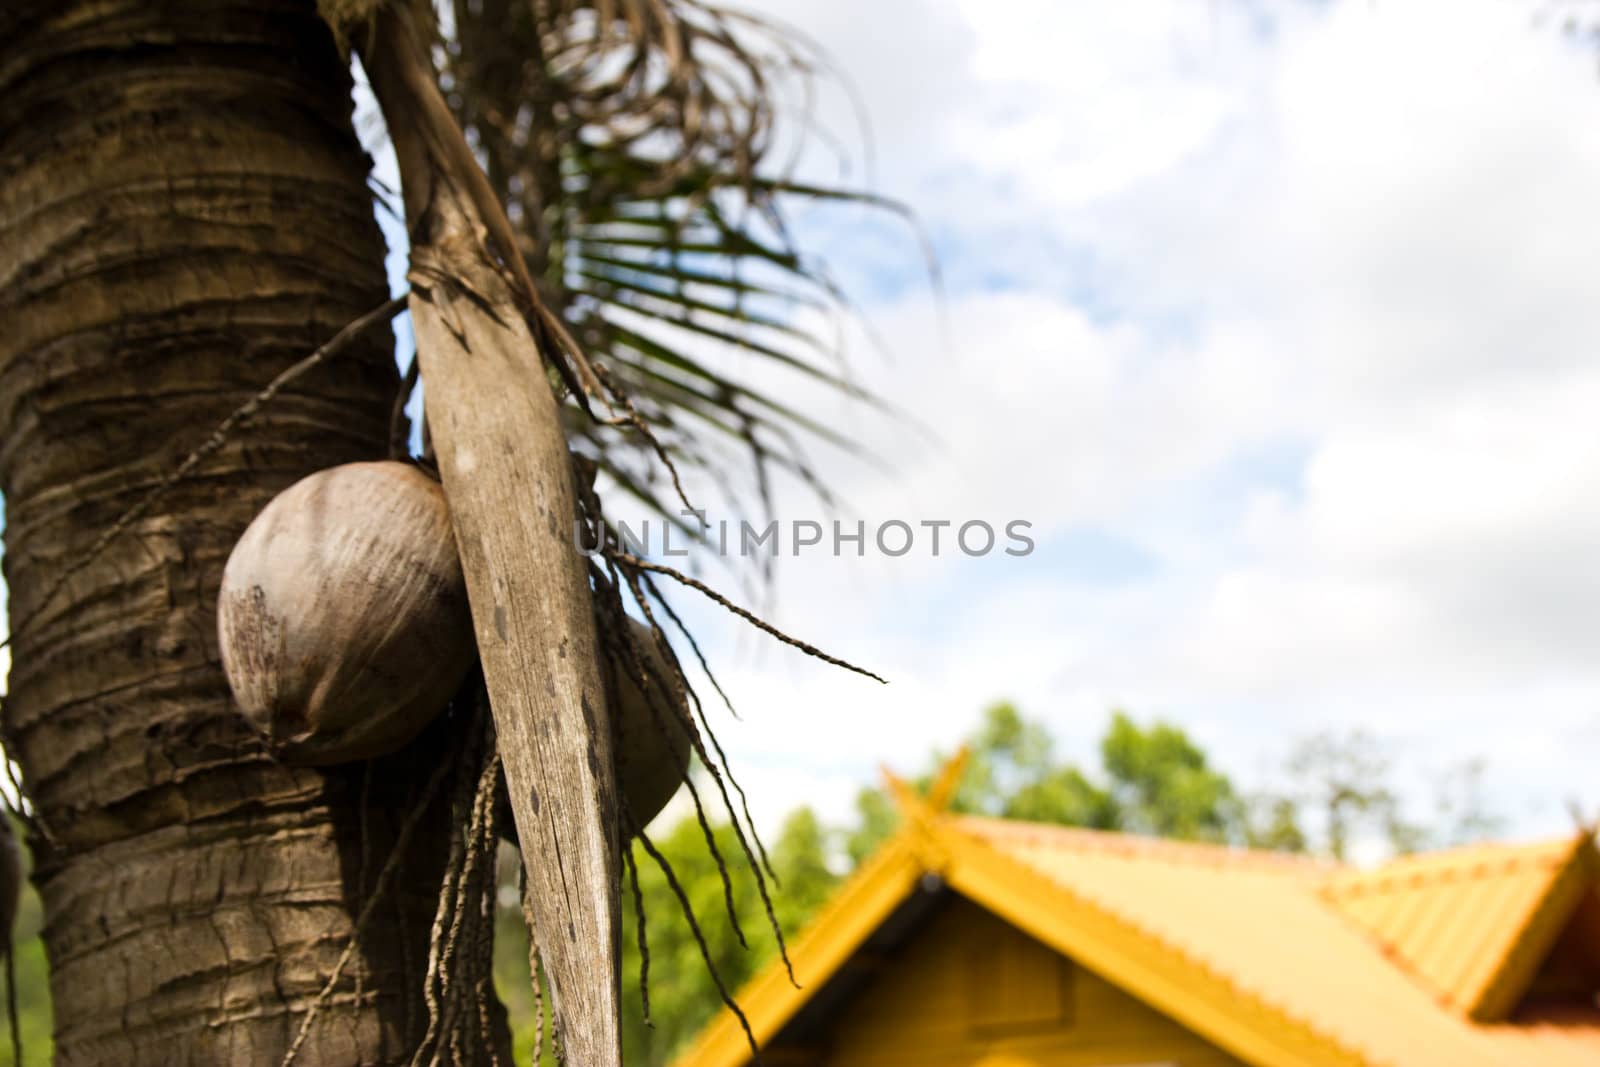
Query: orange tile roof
{"points": [[1282, 961], [1267, 927], [1469, 923]]}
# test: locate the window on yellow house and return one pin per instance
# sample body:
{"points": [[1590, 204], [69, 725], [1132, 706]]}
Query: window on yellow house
{"points": [[1014, 983]]}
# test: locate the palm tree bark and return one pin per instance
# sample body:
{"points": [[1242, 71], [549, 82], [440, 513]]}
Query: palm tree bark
{"points": [[183, 213]]}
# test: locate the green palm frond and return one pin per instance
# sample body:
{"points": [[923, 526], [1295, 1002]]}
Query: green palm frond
{"points": [[630, 141]]}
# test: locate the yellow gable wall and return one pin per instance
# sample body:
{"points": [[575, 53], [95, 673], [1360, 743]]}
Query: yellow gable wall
{"points": [[969, 990]]}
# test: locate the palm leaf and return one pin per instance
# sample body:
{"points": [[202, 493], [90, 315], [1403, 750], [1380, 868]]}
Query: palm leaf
{"points": [[630, 141]]}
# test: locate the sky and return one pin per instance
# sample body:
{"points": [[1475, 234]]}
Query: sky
{"points": [[1276, 322]]}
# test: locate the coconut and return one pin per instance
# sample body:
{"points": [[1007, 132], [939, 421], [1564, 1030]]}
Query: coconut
{"points": [[343, 614], [652, 758], [652, 744]]}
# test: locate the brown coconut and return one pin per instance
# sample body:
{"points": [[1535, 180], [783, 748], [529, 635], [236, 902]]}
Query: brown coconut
{"points": [[652, 753], [652, 759], [343, 614]]}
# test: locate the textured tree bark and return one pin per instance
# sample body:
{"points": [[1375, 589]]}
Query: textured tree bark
{"points": [[183, 213], [508, 476]]}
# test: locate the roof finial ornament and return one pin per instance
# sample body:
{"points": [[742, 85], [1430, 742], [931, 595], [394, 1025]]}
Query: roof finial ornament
{"points": [[1588, 826], [941, 792]]}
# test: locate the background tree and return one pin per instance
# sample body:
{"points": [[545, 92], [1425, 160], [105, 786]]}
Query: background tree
{"points": [[1346, 794], [1273, 822], [1162, 784], [1151, 780], [1013, 772], [1346, 779]]}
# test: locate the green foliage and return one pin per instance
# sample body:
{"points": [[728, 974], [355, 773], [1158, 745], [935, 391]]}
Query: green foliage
{"points": [[33, 1001], [1161, 784], [32, 977], [1152, 780], [682, 995], [875, 821], [1273, 822], [1012, 772]]}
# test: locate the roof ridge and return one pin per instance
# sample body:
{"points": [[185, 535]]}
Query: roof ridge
{"points": [[1208, 853], [1451, 865]]}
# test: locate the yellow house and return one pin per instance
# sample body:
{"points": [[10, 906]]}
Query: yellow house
{"points": [[972, 942]]}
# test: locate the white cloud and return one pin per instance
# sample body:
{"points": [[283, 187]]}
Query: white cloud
{"points": [[1297, 303]]}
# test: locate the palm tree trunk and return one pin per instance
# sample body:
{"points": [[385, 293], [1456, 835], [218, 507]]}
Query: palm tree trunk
{"points": [[183, 213]]}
